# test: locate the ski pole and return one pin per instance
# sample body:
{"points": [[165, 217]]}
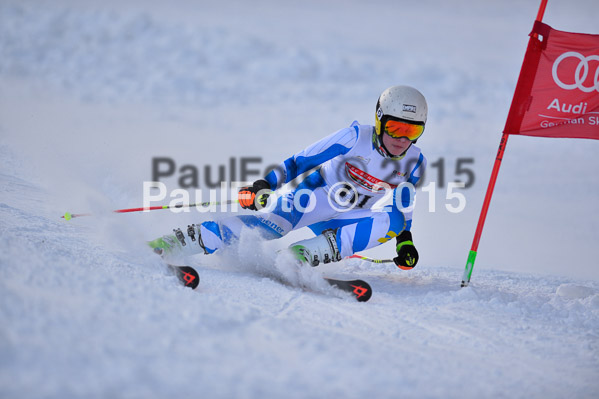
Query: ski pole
{"points": [[372, 260], [69, 216]]}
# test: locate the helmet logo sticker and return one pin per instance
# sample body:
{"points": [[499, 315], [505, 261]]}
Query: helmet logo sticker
{"points": [[409, 108], [379, 113]]}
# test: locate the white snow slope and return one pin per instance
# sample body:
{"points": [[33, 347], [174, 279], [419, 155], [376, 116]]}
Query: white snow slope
{"points": [[91, 91]]}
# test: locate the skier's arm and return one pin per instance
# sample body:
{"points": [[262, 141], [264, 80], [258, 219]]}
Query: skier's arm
{"points": [[407, 201], [407, 255], [329, 147]]}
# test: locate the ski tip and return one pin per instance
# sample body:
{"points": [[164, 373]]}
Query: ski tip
{"points": [[187, 275], [360, 289]]}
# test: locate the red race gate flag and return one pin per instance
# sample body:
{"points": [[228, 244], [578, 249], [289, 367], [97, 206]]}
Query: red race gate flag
{"points": [[558, 91], [557, 95]]}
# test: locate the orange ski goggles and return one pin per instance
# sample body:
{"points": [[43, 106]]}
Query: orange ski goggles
{"points": [[397, 129]]}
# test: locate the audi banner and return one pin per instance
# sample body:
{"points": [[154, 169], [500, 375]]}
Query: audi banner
{"points": [[557, 94]]}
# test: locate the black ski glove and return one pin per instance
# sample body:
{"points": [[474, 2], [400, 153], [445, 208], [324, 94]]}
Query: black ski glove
{"points": [[407, 256], [247, 195]]}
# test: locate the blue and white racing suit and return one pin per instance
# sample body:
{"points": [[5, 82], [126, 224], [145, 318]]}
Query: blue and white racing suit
{"points": [[347, 175]]}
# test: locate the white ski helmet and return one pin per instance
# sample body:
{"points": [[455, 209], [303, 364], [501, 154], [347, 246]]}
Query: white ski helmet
{"points": [[402, 104]]}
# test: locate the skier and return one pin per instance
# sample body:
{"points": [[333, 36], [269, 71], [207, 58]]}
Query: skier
{"points": [[351, 170]]}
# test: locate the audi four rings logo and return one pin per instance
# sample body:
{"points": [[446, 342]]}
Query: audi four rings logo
{"points": [[581, 73]]}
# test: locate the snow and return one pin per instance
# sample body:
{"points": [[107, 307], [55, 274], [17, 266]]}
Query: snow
{"points": [[91, 91]]}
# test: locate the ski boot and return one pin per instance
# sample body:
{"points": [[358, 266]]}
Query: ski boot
{"points": [[322, 248], [179, 244]]}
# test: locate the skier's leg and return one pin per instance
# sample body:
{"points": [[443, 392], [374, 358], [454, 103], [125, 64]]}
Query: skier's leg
{"points": [[349, 233], [373, 230], [291, 211]]}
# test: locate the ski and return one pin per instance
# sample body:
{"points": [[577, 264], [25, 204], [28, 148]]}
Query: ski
{"points": [[187, 275], [360, 289]]}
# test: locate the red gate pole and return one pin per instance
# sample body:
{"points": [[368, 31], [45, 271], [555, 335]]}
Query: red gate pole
{"points": [[483, 214]]}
